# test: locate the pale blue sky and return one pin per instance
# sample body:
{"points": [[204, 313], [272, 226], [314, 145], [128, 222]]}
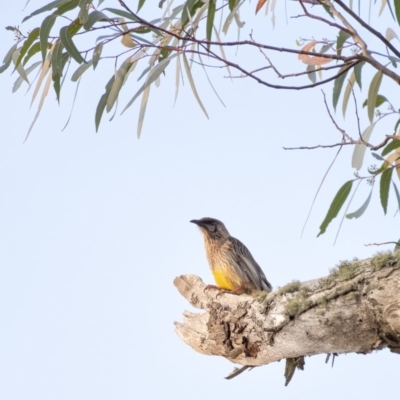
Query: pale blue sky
{"points": [[95, 227]]}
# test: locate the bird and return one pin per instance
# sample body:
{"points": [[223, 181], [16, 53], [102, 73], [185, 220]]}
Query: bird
{"points": [[236, 271], [232, 265]]}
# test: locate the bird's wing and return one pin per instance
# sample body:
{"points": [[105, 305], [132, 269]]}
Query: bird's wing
{"points": [[249, 266]]}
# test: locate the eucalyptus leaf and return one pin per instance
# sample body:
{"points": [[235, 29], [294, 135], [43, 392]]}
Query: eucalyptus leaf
{"points": [[45, 29], [69, 45], [361, 210], [373, 94], [336, 205], [118, 81], [47, 7], [392, 145], [386, 178], [337, 86], [359, 149], [80, 70], [97, 53], [8, 58], [27, 44]]}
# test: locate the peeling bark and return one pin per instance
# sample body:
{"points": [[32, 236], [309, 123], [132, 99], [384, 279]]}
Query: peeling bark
{"points": [[355, 309]]}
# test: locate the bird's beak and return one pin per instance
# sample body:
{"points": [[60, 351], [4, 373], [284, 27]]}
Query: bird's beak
{"points": [[196, 221]]}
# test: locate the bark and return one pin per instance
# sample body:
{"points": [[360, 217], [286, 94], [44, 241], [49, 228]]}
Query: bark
{"points": [[355, 309]]}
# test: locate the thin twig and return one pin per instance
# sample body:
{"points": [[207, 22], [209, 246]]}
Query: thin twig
{"points": [[381, 244], [319, 146], [345, 136], [358, 118], [319, 188], [368, 27]]}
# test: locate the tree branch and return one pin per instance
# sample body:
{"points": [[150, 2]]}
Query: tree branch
{"points": [[355, 309], [368, 27]]}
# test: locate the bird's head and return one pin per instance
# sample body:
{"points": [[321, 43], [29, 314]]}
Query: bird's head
{"points": [[212, 228]]}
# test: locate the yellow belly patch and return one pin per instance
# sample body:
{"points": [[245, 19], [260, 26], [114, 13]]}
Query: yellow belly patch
{"points": [[224, 278]]}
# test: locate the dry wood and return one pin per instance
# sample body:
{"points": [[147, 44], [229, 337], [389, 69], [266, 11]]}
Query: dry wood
{"points": [[355, 309]]}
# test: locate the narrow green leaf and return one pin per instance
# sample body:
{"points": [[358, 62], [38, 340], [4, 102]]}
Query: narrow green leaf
{"points": [[377, 156], [64, 57], [68, 6], [328, 10], [140, 5], [20, 69], [31, 52], [102, 37], [80, 70], [361, 210], [397, 10], [359, 149], [230, 18], [341, 39], [397, 196], [210, 20], [94, 17], [118, 81], [346, 211], [336, 205], [27, 44], [386, 178], [347, 92], [379, 101], [177, 78], [42, 98], [45, 29], [392, 145], [373, 94], [100, 109], [47, 7], [74, 28], [391, 11], [121, 13], [311, 76], [221, 49], [151, 77], [102, 103], [143, 105], [84, 13], [73, 105], [396, 125], [20, 80], [56, 59], [69, 45], [357, 73], [97, 53], [209, 80], [57, 86], [8, 58], [144, 72], [192, 85], [43, 73], [188, 9], [337, 86]]}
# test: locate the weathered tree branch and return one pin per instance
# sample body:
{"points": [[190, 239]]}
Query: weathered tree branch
{"points": [[355, 309]]}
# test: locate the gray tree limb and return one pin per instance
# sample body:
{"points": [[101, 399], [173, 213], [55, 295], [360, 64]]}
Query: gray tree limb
{"points": [[355, 309]]}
